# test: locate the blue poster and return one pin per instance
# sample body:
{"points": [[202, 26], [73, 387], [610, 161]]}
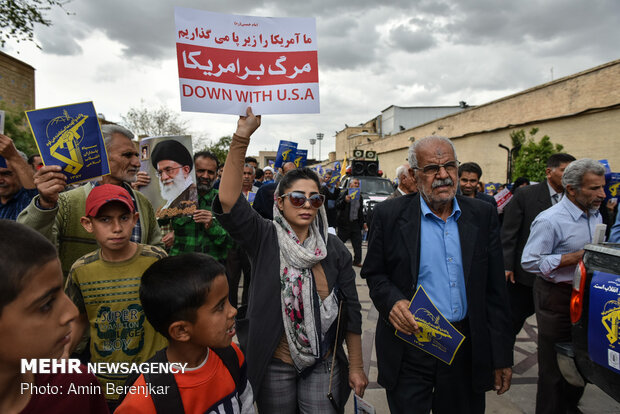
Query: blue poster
{"points": [[251, 197], [301, 157], [2, 162], [437, 335], [335, 178], [606, 165], [354, 193], [286, 153], [70, 136], [604, 320], [612, 185]]}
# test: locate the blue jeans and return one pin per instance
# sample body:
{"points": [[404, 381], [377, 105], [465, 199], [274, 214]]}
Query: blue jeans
{"points": [[284, 391]]}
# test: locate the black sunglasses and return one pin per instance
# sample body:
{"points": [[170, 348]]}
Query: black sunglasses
{"points": [[298, 199]]}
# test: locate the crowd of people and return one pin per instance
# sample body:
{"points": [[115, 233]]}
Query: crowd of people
{"points": [[91, 273]]}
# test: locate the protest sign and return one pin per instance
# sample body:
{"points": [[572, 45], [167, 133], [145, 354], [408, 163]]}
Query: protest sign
{"points": [[70, 136], [301, 156], [2, 116], [606, 165], [502, 198], [612, 185], [437, 336], [604, 308], [229, 62], [335, 178], [354, 193], [2, 162], [168, 161], [251, 197], [286, 153]]}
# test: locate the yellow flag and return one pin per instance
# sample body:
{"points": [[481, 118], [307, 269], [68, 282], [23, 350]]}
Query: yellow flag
{"points": [[343, 169]]}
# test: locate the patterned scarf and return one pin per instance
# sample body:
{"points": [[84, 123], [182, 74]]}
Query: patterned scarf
{"points": [[297, 290]]}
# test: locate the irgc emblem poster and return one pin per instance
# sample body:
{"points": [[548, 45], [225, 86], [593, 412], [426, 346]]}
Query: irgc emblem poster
{"points": [[229, 62], [70, 136]]}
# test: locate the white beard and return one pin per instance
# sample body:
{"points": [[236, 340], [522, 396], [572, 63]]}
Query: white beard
{"points": [[171, 191]]}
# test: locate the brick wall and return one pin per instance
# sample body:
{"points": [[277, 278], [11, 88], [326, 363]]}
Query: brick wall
{"points": [[16, 83]]}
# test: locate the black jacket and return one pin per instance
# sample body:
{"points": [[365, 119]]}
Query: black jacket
{"points": [[344, 209], [391, 271], [519, 213]]}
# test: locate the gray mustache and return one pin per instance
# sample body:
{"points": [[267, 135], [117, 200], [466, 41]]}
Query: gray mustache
{"points": [[439, 183]]}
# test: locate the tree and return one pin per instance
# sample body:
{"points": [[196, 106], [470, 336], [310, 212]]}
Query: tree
{"points": [[16, 127], [154, 122], [531, 160], [220, 148], [18, 17]]}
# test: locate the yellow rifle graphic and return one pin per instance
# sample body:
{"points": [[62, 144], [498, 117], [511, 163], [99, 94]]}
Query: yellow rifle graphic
{"points": [[68, 138], [610, 320], [285, 154]]}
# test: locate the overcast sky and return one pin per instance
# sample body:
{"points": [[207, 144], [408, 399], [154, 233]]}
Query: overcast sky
{"points": [[121, 53]]}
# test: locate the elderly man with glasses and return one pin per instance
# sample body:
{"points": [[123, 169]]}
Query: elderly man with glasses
{"points": [[449, 244]]}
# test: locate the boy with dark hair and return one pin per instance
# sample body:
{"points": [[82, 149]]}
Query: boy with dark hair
{"points": [[104, 285], [35, 322], [186, 299]]}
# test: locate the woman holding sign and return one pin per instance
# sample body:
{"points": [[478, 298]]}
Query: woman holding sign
{"points": [[303, 299]]}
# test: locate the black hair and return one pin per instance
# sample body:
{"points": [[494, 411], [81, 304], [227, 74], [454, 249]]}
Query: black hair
{"points": [[22, 251], [555, 160], [173, 288], [470, 167], [519, 182], [31, 158], [251, 159], [292, 176], [207, 154], [259, 173]]}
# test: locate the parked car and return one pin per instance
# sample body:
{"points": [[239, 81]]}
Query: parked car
{"points": [[594, 354]]}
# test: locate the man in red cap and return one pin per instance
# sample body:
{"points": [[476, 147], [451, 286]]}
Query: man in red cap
{"points": [[104, 285]]}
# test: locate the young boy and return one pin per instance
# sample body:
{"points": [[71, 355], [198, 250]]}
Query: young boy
{"points": [[104, 285], [186, 299], [35, 322]]}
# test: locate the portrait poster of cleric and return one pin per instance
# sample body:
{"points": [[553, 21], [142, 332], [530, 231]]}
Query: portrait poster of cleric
{"points": [[228, 62], [169, 162]]}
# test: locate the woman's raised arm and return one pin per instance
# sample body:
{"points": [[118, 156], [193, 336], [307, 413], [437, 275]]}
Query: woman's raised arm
{"points": [[232, 176]]}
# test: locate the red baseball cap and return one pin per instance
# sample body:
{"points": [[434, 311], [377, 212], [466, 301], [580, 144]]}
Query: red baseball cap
{"points": [[105, 193]]}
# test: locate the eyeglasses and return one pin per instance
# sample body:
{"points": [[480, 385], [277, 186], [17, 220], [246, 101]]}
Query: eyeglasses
{"points": [[167, 170], [433, 169], [298, 199]]}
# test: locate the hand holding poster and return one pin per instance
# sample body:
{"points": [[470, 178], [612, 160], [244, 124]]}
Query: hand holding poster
{"points": [[70, 136], [437, 335], [286, 153], [228, 62], [354, 193]]}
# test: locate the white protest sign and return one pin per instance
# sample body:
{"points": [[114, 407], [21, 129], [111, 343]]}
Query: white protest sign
{"points": [[229, 62]]}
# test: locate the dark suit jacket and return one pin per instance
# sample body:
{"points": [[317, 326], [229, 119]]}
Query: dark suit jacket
{"points": [[344, 209], [395, 194], [391, 271], [525, 205], [487, 198]]}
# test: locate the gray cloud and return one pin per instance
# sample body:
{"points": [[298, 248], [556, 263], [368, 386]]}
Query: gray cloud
{"points": [[411, 41]]}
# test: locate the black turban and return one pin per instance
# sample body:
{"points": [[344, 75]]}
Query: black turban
{"points": [[171, 150]]}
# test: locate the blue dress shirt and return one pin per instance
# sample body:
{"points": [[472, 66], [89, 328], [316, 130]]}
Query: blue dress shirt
{"points": [[560, 229], [441, 265], [614, 236]]}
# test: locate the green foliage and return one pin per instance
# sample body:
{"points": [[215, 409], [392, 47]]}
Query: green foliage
{"points": [[220, 148], [16, 127], [531, 159], [18, 17], [145, 122]]}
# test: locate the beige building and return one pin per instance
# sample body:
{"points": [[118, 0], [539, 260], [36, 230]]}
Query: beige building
{"points": [[16, 84], [580, 111]]}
